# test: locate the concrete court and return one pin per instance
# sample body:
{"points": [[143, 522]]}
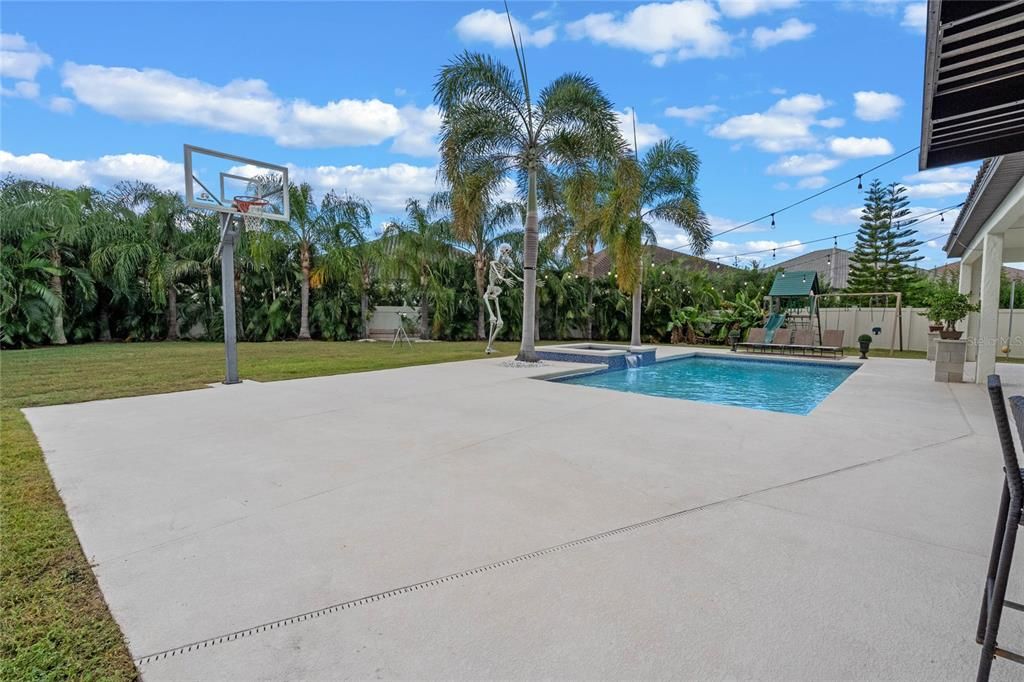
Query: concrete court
{"points": [[452, 521]]}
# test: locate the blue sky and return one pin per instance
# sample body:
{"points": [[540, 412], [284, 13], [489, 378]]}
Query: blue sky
{"points": [[778, 97]]}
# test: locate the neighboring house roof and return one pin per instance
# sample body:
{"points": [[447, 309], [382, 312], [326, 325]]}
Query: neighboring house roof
{"points": [[658, 255], [995, 180], [953, 270], [795, 283], [834, 274]]}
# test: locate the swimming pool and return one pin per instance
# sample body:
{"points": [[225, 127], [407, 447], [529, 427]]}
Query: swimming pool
{"points": [[779, 386]]}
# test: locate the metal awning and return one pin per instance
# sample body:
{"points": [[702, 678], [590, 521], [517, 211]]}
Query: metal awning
{"points": [[973, 82]]}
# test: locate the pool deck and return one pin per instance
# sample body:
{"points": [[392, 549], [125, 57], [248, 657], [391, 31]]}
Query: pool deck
{"points": [[465, 521]]}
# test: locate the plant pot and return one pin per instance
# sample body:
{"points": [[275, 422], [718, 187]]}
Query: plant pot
{"points": [[864, 348], [950, 335], [935, 327]]}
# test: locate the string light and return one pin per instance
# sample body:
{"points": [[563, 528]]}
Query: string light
{"points": [[773, 221], [860, 186]]}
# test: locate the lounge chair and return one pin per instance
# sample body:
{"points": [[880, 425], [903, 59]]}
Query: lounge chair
{"points": [[781, 341], [803, 342], [832, 342], [755, 339]]}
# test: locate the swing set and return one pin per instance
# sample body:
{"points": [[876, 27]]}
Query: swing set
{"points": [[897, 329]]}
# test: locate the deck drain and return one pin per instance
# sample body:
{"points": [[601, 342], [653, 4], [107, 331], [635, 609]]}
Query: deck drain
{"points": [[342, 606]]}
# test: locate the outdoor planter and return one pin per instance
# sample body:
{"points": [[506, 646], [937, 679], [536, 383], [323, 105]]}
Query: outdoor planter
{"points": [[865, 344], [950, 334]]}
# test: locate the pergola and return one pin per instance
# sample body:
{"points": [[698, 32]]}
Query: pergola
{"points": [[974, 109]]}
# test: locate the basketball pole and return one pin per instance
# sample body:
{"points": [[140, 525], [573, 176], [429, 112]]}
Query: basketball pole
{"points": [[227, 289]]}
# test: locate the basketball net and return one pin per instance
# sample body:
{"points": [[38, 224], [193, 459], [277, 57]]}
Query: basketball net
{"points": [[251, 208]]}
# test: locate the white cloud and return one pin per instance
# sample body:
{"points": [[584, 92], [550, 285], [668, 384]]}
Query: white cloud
{"points": [[790, 30], [21, 89], [62, 105], [387, 188], [785, 126], [685, 29], [245, 106], [812, 182], [915, 17], [488, 26], [940, 182], [833, 122], [100, 172], [805, 164], [835, 215], [876, 106], [945, 174], [859, 147], [693, 114], [419, 131], [726, 251], [739, 9], [20, 59], [646, 133]]}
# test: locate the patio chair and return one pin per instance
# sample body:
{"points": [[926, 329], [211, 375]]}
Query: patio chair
{"points": [[1008, 522], [832, 342], [755, 339], [803, 342]]}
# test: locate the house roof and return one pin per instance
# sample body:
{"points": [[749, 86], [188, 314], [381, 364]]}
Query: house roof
{"points": [[658, 255], [832, 265], [995, 180], [795, 283], [973, 78], [953, 270]]}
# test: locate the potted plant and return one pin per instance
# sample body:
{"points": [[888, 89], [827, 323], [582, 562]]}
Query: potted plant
{"points": [[949, 306], [865, 343], [734, 337]]}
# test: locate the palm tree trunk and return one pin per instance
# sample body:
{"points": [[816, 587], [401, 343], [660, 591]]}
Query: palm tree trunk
{"points": [[536, 318], [527, 353], [480, 267], [103, 308], [634, 338], [57, 287], [364, 313], [590, 290], [173, 328], [424, 316], [304, 296], [364, 303]]}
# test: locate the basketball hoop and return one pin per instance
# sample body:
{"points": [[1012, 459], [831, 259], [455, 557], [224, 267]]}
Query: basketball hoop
{"points": [[251, 208]]}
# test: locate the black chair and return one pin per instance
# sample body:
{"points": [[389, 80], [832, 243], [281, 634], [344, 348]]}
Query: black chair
{"points": [[1011, 507]]}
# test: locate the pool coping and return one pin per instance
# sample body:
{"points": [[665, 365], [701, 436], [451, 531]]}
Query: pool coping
{"points": [[602, 369]]}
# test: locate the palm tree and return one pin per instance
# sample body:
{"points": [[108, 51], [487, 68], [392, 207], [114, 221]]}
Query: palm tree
{"points": [[60, 217], [584, 192], [662, 186], [481, 224], [309, 230], [490, 119], [351, 255], [150, 244], [419, 251]]}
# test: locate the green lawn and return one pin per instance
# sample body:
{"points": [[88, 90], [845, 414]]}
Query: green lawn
{"points": [[54, 624]]}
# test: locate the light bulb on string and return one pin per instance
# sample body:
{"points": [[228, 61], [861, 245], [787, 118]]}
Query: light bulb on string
{"points": [[860, 185], [773, 221], [773, 254], [942, 217]]}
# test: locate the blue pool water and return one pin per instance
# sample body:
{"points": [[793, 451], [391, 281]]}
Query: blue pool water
{"points": [[793, 387]]}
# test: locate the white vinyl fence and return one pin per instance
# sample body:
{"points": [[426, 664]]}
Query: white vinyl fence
{"points": [[856, 321]]}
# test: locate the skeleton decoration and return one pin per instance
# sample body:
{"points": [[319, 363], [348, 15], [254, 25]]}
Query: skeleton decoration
{"points": [[500, 272]]}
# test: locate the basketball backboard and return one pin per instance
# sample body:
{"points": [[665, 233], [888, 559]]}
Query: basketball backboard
{"points": [[216, 181]]}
